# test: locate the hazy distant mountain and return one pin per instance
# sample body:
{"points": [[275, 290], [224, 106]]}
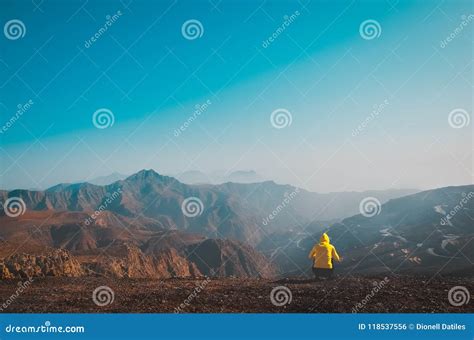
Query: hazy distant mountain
{"points": [[291, 206], [245, 212], [102, 180], [281, 221], [428, 232], [194, 177], [243, 177], [219, 177], [109, 179]]}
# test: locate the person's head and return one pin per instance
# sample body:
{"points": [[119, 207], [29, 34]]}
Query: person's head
{"points": [[324, 238]]}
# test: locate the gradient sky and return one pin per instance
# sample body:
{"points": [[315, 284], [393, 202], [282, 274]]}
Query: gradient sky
{"points": [[320, 69]]}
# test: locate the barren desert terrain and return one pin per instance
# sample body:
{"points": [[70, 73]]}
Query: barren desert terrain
{"points": [[342, 294]]}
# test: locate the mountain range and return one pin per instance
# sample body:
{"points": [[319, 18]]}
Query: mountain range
{"points": [[219, 177], [187, 177], [245, 212], [430, 232], [138, 227]]}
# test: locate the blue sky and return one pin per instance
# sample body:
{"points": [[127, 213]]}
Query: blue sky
{"points": [[320, 69]]}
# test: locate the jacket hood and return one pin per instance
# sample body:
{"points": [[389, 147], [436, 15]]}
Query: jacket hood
{"points": [[324, 238]]}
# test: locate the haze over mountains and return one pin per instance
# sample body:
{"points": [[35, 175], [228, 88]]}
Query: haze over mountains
{"points": [[231, 210], [135, 227], [187, 177], [192, 177], [425, 233], [219, 177]]}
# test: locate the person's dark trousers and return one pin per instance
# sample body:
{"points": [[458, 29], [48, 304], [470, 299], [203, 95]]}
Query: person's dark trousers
{"points": [[322, 273]]}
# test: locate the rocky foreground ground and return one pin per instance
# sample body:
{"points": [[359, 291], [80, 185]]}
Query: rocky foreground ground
{"points": [[341, 295]]}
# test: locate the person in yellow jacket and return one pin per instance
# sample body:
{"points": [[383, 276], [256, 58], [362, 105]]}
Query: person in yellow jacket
{"points": [[322, 255]]}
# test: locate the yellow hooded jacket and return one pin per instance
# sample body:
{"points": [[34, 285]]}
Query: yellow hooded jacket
{"points": [[323, 253]]}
